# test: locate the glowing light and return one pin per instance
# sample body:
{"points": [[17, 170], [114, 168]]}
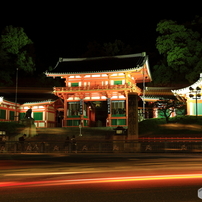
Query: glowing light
{"points": [[101, 180], [34, 174], [1, 99]]}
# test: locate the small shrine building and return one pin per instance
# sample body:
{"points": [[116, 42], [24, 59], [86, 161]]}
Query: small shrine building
{"points": [[7, 109], [192, 94], [46, 114], [97, 91]]}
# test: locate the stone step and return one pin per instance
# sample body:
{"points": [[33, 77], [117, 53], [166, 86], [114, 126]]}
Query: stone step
{"points": [[60, 134]]}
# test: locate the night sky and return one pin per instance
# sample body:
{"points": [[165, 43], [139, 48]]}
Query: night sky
{"points": [[65, 29]]}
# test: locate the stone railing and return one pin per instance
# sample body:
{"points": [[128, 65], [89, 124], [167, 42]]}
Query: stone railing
{"points": [[87, 146]]}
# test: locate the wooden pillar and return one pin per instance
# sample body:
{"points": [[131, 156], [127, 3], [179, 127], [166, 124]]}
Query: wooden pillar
{"points": [[132, 116], [7, 114], [46, 116], [188, 107], [109, 75], [126, 95]]}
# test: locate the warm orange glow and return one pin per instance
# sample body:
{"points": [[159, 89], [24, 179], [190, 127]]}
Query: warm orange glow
{"points": [[178, 126], [37, 174], [102, 180]]}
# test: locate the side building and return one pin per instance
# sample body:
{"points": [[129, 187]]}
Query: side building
{"points": [[8, 110], [45, 113], [192, 95]]}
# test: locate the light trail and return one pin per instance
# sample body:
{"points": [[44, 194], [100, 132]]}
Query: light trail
{"points": [[101, 180], [36, 174], [50, 173]]}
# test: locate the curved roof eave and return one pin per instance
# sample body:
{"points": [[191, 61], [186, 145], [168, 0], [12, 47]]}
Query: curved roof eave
{"points": [[186, 89], [140, 59], [148, 68], [39, 102], [93, 72]]}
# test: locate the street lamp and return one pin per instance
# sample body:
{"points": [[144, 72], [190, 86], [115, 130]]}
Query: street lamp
{"points": [[195, 94], [80, 126], [16, 96]]}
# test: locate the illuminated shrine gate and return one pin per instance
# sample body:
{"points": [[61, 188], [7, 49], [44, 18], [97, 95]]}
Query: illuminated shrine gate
{"points": [[96, 89]]}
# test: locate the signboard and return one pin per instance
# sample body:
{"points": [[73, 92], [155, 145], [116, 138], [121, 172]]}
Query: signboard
{"points": [[81, 107], [108, 105]]}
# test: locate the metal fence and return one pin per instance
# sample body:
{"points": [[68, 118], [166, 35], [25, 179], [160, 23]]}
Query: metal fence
{"points": [[101, 147]]}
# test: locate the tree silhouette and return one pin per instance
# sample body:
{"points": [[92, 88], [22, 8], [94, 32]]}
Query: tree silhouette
{"points": [[16, 51], [180, 46]]}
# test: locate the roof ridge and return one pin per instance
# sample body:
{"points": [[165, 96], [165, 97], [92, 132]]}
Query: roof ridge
{"points": [[143, 54], [49, 100]]}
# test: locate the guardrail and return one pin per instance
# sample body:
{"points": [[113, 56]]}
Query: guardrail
{"points": [[101, 147], [170, 139]]}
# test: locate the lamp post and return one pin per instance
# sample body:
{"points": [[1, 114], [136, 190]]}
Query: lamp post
{"points": [[16, 96], [195, 94], [80, 126]]}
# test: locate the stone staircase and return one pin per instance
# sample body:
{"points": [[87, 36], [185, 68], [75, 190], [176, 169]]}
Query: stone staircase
{"points": [[60, 134]]}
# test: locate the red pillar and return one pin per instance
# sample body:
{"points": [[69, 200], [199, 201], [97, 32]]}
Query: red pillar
{"points": [[126, 109], [46, 117]]}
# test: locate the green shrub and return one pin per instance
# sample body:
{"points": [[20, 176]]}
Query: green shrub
{"points": [[155, 127]]}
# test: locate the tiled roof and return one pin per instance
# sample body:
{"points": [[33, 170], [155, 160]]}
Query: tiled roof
{"points": [[39, 102], [152, 97], [160, 91], [99, 64], [186, 89]]}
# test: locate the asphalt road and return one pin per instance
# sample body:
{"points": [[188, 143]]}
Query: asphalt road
{"points": [[100, 177]]}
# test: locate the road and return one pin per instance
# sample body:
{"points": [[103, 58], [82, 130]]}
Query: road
{"points": [[100, 177]]}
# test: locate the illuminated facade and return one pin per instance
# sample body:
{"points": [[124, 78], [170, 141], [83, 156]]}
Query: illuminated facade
{"points": [[7, 110], [95, 91], [192, 94], [99, 96], [45, 113]]}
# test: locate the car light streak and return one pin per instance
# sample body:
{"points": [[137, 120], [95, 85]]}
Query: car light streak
{"points": [[35, 174], [101, 180]]}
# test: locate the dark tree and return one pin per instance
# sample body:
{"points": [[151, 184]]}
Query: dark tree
{"points": [[16, 52], [180, 46], [168, 106]]}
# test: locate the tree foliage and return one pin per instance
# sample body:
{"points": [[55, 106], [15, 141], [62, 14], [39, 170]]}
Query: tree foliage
{"points": [[168, 106], [16, 51], [181, 48]]}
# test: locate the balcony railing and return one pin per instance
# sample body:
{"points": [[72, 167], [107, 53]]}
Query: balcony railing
{"points": [[97, 88]]}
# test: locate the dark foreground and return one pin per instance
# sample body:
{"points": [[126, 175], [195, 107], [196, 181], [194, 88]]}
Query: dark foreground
{"points": [[100, 177]]}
